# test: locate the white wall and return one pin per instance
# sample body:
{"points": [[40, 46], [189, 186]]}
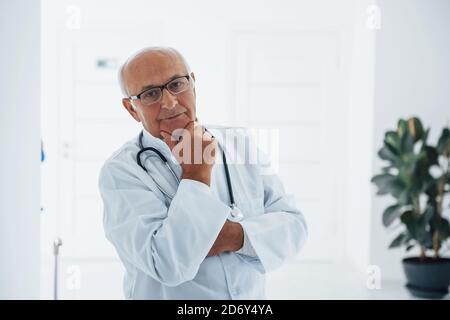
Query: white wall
{"points": [[20, 149], [358, 137], [412, 77]]}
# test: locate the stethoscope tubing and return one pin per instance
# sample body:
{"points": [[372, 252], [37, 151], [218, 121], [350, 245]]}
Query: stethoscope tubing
{"points": [[164, 160]]}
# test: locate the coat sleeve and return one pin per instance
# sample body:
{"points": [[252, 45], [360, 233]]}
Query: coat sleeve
{"points": [[279, 233], [168, 244]]}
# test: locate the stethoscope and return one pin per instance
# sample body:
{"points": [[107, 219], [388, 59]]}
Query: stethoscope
{"points": [[235, 214]]}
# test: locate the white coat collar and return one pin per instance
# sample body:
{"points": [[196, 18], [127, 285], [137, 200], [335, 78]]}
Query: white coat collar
{"points": [[151, 141]]}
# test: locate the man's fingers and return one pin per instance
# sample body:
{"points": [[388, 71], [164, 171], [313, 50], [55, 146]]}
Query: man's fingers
{"points": [[190, 125], [168, 139], [184, 133], [165, 136], [212, 252], [191, 144]]}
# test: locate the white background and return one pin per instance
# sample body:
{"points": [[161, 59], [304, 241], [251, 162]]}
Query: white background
{"points": [[308, 69], [260, 65], [336, 85], [19, 145]]}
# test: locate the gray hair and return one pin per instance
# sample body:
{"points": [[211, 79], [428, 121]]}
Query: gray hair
{"points": [[122, 85]]}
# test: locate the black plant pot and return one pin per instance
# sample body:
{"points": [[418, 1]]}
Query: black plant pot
{"points": [[429, 278]]}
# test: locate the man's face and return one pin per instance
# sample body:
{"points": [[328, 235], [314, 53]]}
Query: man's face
{"points": [[171, 111]]}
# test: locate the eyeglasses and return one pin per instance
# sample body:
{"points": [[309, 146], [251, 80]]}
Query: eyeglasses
{"points": [[154, 94]]}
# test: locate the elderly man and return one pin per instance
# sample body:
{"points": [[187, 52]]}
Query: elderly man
{"points": [[189, 228]]}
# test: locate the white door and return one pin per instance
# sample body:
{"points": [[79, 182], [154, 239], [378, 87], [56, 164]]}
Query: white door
{"points": [[293, 86]]}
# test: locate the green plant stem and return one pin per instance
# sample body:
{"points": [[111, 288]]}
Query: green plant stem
{"points": [[439, 203], [422, 253], [416, 205], [436, 244]]}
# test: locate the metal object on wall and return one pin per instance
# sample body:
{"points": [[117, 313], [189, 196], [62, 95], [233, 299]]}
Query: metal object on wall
{"points": [[56, 244]]}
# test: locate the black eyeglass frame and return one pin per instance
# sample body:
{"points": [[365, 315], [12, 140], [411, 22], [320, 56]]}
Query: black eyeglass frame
{"points": [[162, 87]]}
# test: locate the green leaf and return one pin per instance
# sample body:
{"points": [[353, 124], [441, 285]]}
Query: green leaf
{"points": [[442, 226], [407, 217], [444, 229], [444, 143], [415, 129], [402, 127], [391, 213], [420, 175], [427, 240], [404, 197], [407, 143], [400, 240], [388, 183], [417, 228], [392, 139], [425, 136], [428, 214], [387, 169], [430, 187], [431, 155], [387, 154], [406, 175]]}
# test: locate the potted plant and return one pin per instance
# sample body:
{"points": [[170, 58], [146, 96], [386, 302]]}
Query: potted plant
{"points": [[417, 176]]}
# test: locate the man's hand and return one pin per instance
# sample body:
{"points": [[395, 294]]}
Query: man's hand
{"points": [[195, 150], [230, 238]]}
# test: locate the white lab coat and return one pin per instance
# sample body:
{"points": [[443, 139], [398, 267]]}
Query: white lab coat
{"points": [[163, 245]]}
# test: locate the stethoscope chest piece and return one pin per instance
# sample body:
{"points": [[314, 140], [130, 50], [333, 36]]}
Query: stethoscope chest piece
{"points": [[235, 214]]}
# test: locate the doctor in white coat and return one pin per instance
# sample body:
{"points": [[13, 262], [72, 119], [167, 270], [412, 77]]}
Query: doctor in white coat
{"points": [[171, 226]]}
